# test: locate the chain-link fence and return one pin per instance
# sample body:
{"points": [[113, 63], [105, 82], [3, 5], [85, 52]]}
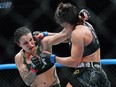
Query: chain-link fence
{"points": [[11, 78], [39, 15]]}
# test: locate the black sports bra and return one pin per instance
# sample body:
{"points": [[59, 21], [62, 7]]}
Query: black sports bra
{"points": [[94, 45], [41, 70]]}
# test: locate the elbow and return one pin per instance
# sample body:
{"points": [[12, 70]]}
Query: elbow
{"points": [[75, 64], [27, 82]]}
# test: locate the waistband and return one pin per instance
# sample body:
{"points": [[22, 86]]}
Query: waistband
{"points": [[89, 64]]}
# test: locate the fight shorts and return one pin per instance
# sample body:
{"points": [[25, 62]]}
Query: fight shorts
{"points": [[65, 74], [90, 74]]}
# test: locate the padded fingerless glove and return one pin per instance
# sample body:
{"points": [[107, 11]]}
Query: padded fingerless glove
{"points": [[49, 57], [35, 64]]}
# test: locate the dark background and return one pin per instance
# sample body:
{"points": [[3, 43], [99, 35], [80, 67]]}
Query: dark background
{"points": [[39, 15]]}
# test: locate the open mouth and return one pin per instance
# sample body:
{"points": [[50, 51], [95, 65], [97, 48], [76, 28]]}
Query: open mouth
{"points": [[31, 49]]}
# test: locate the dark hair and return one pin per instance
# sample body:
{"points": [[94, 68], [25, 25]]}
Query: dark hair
{"points": [[20, 32], [67, 13]]}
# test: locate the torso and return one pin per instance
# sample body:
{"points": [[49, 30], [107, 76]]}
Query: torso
{"points": [[91, 46], [45, 78], [44, 68]]}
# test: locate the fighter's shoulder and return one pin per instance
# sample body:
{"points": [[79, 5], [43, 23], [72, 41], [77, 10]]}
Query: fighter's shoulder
{"points": [[78, 30], [18, 56], [82, 29]]}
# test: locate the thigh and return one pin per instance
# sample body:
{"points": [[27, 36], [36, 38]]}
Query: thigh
{"points": [[104, 79], [64, 74], [93, 77], [86, 77]]}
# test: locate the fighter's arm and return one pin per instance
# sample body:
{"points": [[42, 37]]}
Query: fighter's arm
{"points": [[27, 76], [59, 37], [51, 34], [76, 52], [63, 31], [54, 38]]}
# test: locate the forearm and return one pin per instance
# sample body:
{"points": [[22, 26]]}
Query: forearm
{"points": [[59, 37], [51, 34], [66, 61], [65, 41], [28, 76]]}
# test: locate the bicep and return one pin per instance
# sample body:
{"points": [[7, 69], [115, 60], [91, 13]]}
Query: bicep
{"points": [[77, 48]]}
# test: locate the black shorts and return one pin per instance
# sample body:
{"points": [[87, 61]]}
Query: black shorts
{"points": [[65, 75], [83, 77]]}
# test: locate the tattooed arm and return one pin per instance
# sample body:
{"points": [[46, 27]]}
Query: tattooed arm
{"points": [[27, 76]]}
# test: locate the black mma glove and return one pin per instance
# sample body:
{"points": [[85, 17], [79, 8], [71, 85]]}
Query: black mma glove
{"points": [[48, 57], [84, 11], [35, 64], [35, 33], [38, 35]]}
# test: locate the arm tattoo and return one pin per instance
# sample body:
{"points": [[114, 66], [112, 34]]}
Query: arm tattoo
{"points": [[23, 73], [27, 76]]}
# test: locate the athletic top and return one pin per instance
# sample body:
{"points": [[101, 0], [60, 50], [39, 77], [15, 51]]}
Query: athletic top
{"points": [[94, 45], [44, 68]]}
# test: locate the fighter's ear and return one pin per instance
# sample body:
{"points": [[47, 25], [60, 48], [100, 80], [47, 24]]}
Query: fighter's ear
{"points": [[18, 44]]}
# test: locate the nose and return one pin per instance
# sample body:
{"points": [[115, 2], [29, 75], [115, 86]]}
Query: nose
{"points": [[31, 44]]}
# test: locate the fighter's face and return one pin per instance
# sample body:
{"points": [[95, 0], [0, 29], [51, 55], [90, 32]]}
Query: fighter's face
{"points": [[27, 42]]}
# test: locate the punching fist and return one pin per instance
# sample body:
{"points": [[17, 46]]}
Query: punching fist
{"points": [[85, 14], [36, 64], [39, 35]]}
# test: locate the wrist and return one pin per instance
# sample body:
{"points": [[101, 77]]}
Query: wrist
{"points": [[33, 70], [53, 58], [45, 33]]}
